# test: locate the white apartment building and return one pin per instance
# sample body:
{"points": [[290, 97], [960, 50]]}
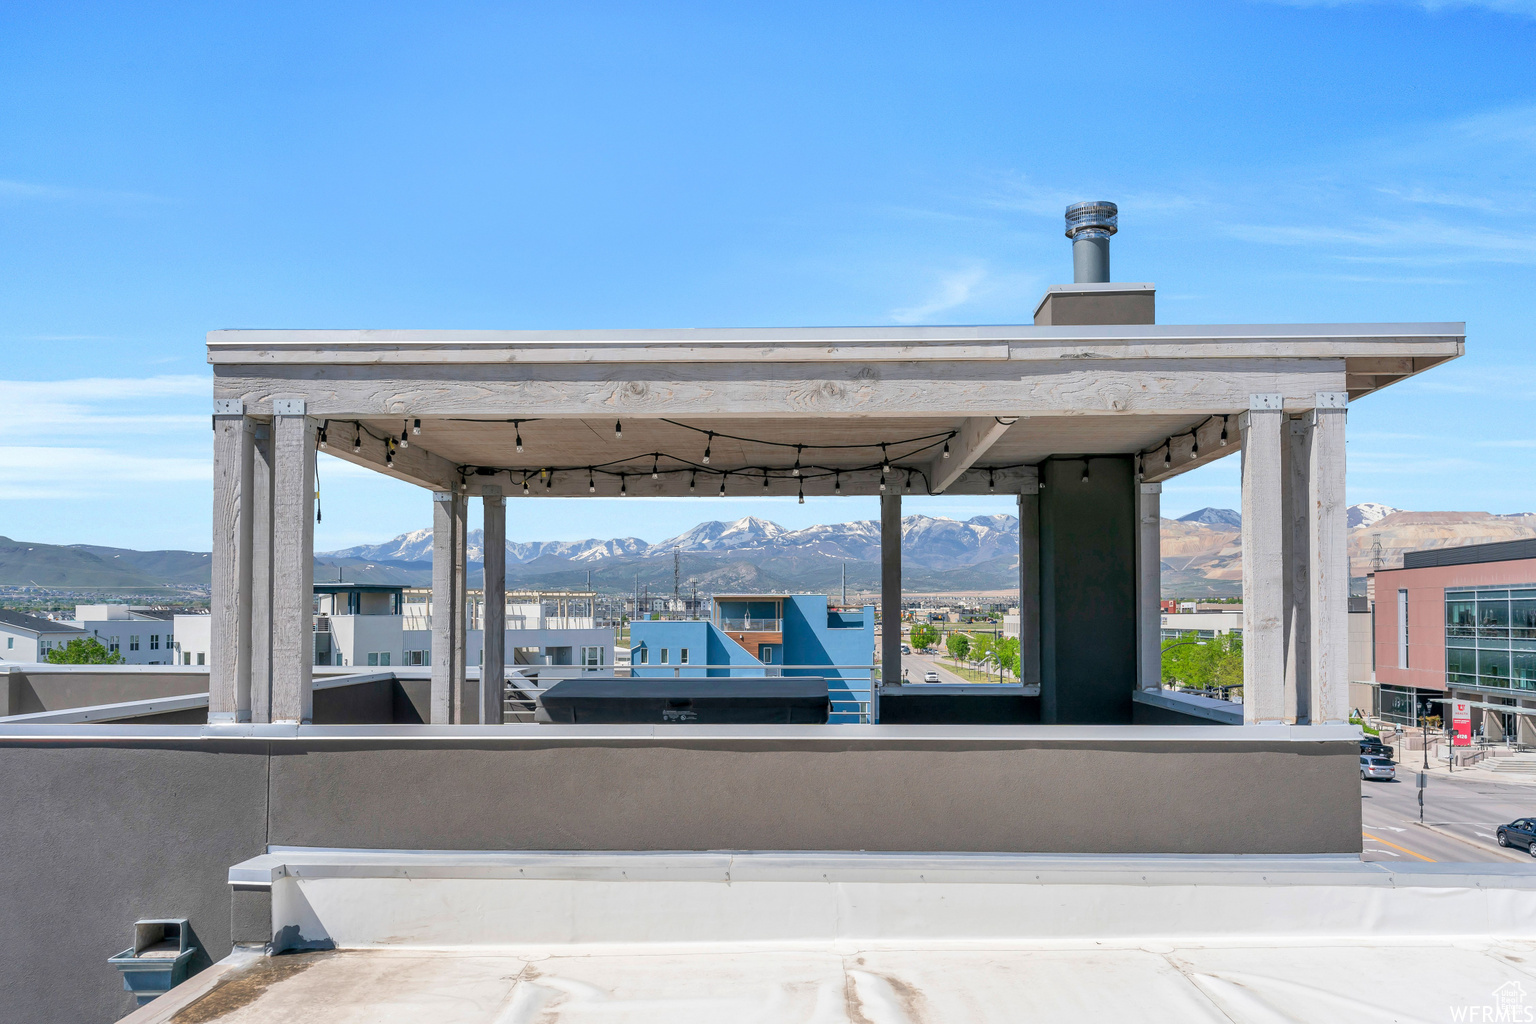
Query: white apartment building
{"points": [[1202, 622], [29, 638], [141, 636]]}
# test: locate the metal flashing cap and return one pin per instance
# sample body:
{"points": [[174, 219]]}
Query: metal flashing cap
{"points": [[1096, 219]]}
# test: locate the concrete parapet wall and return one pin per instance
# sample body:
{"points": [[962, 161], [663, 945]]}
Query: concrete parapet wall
{"points": [[106, 824]]}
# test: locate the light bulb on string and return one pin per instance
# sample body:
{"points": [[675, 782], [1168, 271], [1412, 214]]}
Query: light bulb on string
{"points": [[322, 433], [655, 461], [837, 483], [946, 449], [357, 441], [549, 481], [1223, 441], [692, 479], [389, 453], [722, 484], [591, 483], [765, 479], [1085, 471], [1168, 455], [623, 487], [416, 426], [405, 435], [796, 471], [909, 481], [1194, 447], [618, 431], [885, 461], [525, 486], [708, 445], [517, 427], [802, 493], [991, 482]]}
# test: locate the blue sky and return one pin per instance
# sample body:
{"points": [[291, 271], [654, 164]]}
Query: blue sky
{"points": [[168, 169]]}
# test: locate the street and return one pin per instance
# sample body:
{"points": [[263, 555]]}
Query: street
{"points": [[918, 665], [1463, 807]]}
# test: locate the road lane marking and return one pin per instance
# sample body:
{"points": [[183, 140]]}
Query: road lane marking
{"points": [[1394, 846]]}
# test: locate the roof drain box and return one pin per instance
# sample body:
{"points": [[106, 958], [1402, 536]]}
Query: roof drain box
{"points": [[724, 700], [158, 959]]}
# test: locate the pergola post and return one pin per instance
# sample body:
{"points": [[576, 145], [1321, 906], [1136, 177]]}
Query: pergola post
{"points": [[1328, 530], [1263, 562], [293, 563], [447, 612], [261, 575], [1029, 583], [465, 704], [890, 596], [229, 671], [1296, 442], [493, 617], [1149, 587]]}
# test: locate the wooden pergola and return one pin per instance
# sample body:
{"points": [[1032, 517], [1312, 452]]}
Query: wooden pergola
{"points": [[1081, 423]]}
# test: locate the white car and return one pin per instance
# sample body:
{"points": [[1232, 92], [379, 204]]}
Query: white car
{"points": [[1377, 768], [930, 676]]}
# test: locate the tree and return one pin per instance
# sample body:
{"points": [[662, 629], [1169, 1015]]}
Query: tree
{"points": [[1007, 651], [1215, 662], [959, 645], [86, 651], [924, 636]]}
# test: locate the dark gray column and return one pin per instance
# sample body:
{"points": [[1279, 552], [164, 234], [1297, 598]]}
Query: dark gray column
{"points": [[466, 705], [1149, 587]]}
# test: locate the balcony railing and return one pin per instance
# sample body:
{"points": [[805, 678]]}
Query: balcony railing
{"points": [[751, 624], [850, 694]]}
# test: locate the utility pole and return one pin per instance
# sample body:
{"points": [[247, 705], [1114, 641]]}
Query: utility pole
{"points": [[677, 571], [845, 584]]}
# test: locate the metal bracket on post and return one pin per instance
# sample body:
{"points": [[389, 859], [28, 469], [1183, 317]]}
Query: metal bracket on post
{"points": [[1266, 403], [1330, 400], [288, 407], [492, 491], [444, 496], [229, 407]]}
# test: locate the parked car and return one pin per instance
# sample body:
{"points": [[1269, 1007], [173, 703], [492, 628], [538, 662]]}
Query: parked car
{"points": [[930, 676], [905, 649], [1375, 748], [1377, 768], [1520, 832]]}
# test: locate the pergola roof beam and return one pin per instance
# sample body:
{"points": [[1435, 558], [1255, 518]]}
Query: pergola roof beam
{"points": [[977, 434]]}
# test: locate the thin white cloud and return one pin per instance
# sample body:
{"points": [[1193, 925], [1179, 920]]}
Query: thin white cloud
{"points": [[36, 472], [99, 409], [954, 289], [32, 191]]}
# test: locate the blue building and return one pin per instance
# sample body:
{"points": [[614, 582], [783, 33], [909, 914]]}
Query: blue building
{"points": [[765, 634]]}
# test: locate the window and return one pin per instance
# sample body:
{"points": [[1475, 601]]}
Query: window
{"points": [[373, 659], [186, 657], [133, 641], [682, 655], [643, 656], [1402, 629], [591, 657], [10, 643], [384, 657], [199, 657], [666, 655], [154, 641]]}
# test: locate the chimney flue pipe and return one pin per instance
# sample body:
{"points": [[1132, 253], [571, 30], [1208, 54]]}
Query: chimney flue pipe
{"points": [[1089, 225]]}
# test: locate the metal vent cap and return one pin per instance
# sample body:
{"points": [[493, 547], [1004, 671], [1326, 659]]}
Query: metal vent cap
{"points": [[1096, 219]]}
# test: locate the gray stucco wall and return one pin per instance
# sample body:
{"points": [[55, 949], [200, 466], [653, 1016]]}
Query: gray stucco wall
{"points": [[100, 833], [28, 692]]}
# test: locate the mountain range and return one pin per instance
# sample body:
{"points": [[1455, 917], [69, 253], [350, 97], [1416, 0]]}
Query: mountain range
{"points": [[1202, 555]]}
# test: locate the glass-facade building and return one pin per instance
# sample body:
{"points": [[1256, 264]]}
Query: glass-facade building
{"points": [[1490, 637]]}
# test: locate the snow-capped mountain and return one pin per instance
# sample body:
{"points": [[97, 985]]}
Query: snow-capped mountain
{"points": [[1369, 512], [925, 541], [1218, 517]]}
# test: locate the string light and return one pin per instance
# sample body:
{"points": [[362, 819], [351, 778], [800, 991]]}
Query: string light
{"points": [[991, 482], [618, 431], [802, 493], [517, 425], [837, 483], [357, 440], [322, 434], [1167, 455], [909, 481], [707, 446], [655, 461], [946, 449], [797, 460], [1224, 431], [765, 479], [463, 485], [722, 483], [405, 441], [623, 487], [692, 477], [389, 453], [525, 487], [416, 427], [591, 484], [1194, 446], [885, 462], [882, 483], [1085, 471], [549, 481]]}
